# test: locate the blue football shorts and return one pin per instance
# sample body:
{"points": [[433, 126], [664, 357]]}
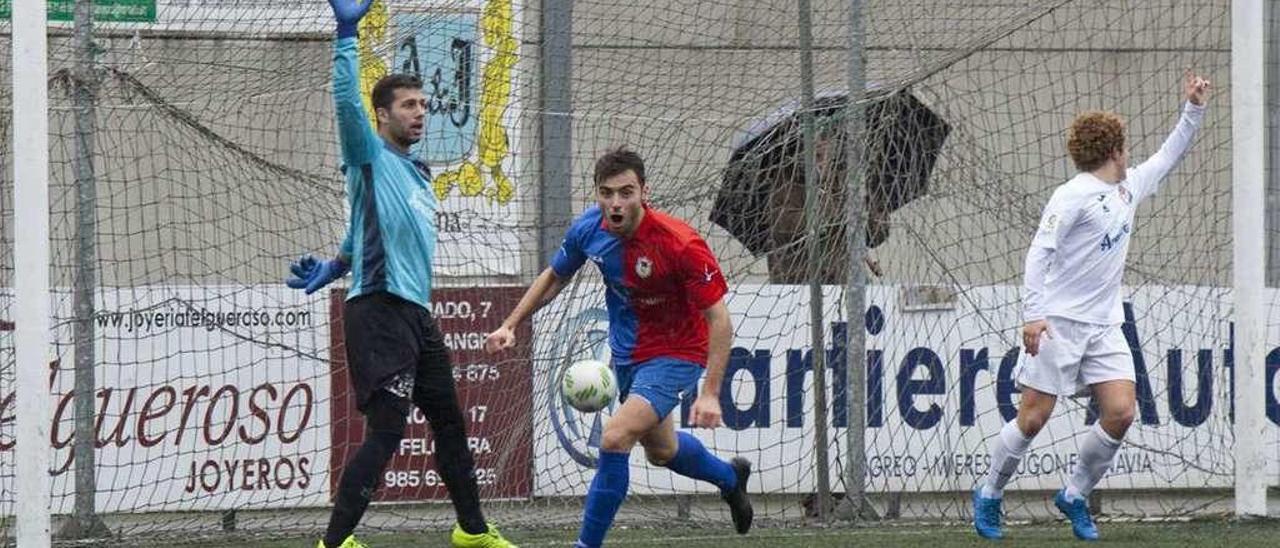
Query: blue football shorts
{"points": [[662, 382]]}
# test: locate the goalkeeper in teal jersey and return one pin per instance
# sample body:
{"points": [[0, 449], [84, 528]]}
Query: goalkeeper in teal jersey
{"points": [[395, 351]]}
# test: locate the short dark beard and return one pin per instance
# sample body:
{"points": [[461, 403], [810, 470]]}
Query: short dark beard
{"points": [[399, 142], [406, 142]]}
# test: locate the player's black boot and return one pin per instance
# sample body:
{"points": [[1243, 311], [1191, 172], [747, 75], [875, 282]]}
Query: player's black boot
{"points": [[739, 504]]}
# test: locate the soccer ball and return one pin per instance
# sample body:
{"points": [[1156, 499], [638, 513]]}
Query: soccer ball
{"points": [[588, 386]]}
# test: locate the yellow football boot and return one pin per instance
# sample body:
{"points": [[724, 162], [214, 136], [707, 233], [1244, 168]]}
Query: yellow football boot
{"points": [[488, 539], [351, 542]]}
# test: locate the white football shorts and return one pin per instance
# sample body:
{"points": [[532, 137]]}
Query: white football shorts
{"points": [[1075, 355]]}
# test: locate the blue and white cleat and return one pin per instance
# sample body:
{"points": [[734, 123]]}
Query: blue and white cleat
{"points": [[986, 516], [1077, 511]]}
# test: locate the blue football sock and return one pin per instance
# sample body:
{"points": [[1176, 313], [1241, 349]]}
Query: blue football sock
{"points": [[693, 460], [605, 496]]}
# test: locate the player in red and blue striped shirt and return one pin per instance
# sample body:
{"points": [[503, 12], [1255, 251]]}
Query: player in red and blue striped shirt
{"points": [[667, 323]]}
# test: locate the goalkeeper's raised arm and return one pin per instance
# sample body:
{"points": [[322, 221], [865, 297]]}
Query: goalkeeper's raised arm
{"points": [[358, 138]]}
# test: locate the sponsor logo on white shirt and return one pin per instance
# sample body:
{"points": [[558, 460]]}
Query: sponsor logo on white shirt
{"points": [[1110, 240]]}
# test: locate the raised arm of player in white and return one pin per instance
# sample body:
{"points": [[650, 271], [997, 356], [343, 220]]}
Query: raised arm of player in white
{"points": [[1144, 179]]}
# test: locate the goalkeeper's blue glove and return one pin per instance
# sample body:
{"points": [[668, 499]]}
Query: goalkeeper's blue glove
{"points": [[310, 275], [348, 14]]}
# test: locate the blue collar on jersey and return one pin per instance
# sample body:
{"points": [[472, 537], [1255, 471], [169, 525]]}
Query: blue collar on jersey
{"points": [[422, 166]]}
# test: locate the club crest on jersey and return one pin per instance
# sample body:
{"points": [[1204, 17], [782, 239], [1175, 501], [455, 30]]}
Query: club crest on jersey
{"points": [[644, 267], [1124, 195]]}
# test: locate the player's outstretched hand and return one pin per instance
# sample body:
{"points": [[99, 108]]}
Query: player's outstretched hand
{"points": [[348, 13], [1031, 333], [501, 339], [310, 275], [1195, 88], [706, 411]]}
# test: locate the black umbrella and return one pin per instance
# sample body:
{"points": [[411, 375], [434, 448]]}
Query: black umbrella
{"points": [[761, 199]]}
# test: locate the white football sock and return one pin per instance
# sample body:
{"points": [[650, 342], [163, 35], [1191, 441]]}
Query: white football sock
{"points": [[1096, 454], [1007, 449]]}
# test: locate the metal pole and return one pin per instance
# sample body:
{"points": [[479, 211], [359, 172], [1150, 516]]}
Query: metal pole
{"points": [[1271, 43], [557, 126], [1248, 174], [855, 504], [813, 228], [30, 70], [84, 92]]}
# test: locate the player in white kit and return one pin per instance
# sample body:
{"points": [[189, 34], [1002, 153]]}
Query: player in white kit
{"points": [[1072, 307]]}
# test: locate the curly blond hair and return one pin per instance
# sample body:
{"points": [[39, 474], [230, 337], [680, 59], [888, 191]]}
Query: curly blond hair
{"points": [[1093, 138]]}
